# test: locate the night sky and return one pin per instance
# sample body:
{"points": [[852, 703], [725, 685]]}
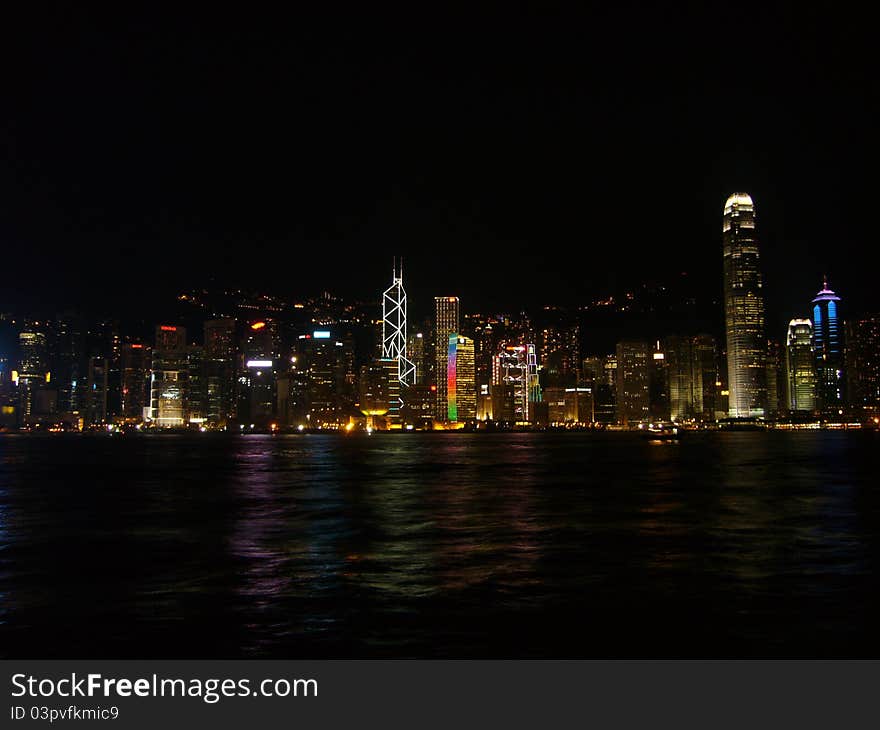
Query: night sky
{"points": [[512, 159]]}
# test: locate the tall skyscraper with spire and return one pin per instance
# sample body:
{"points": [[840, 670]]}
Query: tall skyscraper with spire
{"points": [[394, 327], [744, 310], [828, 350]]}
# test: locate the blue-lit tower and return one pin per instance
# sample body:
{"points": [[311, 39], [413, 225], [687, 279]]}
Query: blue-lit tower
{"points": [[828, 351]]}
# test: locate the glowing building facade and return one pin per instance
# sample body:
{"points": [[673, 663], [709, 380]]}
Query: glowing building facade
{"points": [[461, 386], [322, 360], [446, 323], [515, 376], [679, 358], [692, 375], [744, 310], [32, 373], [828, 351], [379, 393], [800, 372], [168, 377], [579, 405]]}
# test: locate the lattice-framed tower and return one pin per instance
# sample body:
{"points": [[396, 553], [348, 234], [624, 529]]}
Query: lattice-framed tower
{"points": [[394, 327]]}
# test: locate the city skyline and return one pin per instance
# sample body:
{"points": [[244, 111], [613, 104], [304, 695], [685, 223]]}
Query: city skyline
{"points": [[565, 191], [622, 401], [261, 368]]}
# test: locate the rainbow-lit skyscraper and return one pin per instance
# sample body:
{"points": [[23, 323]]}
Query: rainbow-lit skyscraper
{"points": [[744, 310], [461, 387], [446, 313]]}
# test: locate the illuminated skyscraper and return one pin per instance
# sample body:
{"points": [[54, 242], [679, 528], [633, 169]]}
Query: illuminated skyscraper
{"points": [[601, 374], [418, 406], [706, 376], [416, 353], [679, 357], [196, 389], [292, 394], [515, 380], [863, 365], [256, 378], [692, 376], [554, 398], [446, 322], [800, 372], [744, 310], [394, 329], [633, 382], [461, 387], [322, 357], [168, 376], [33, 369], [828, 350], [558, 346], [579, 405], [373, 394], [379, 393]]}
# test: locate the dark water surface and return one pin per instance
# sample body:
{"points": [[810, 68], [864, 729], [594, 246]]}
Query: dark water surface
{"points": [[440, 545]]}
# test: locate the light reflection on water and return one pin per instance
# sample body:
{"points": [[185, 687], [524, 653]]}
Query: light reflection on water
{"points": [[439, 545]]}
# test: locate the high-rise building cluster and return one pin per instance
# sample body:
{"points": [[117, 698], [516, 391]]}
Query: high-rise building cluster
{"points": [[249, 372], [251, 362], [823, 371]]}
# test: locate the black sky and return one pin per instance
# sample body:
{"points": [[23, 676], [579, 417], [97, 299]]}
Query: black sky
{"points": [[512, 158]]}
